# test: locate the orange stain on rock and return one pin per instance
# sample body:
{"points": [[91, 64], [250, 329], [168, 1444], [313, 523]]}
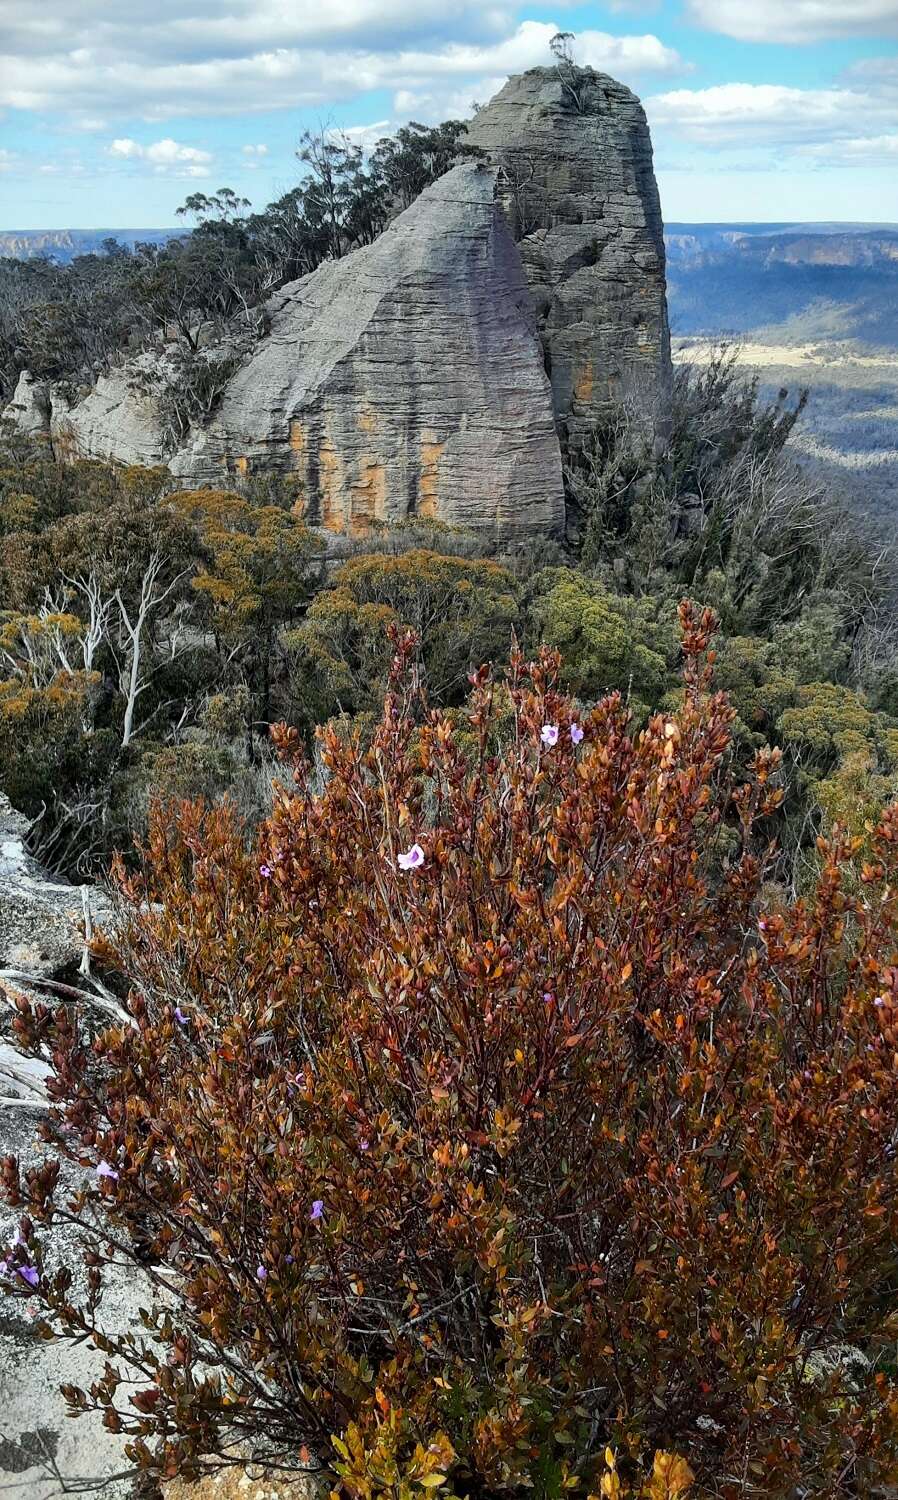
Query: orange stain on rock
{"points": [[368, 497], [330, 469], [428, 497], [584, 383]]}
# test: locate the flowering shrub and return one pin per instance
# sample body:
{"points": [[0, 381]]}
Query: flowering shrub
{"points": [[481, 1129]]}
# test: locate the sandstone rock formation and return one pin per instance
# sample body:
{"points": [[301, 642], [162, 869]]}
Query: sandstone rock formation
{"points": [[574, 159], [117, 420], [441, 371], [402, 380]]}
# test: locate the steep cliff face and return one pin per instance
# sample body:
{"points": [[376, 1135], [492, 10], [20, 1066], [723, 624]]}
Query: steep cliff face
{"points": [[574, 159], [404, 379], [440, 371]]}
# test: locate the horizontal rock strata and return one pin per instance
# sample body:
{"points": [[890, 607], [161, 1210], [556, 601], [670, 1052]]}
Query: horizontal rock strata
{"points": [[575, 175]]}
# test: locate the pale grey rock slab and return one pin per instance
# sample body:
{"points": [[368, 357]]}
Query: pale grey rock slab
{"points": [[118, 419], [29, 406], [41, 918]]}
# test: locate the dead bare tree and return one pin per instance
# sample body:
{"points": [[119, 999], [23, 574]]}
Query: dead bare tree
{"points": [[133, 677], [562, 49]]}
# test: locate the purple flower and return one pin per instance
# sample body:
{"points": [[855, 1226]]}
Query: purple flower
{"points": [[576, 734], [29, 1274], [364, 1144], [180, 1016], [549, 735], [265, 871], [548, 997], [261, 1273], [289, 1260], [105, 1170], [880, 1000], [317, 1209], [413, 858]]}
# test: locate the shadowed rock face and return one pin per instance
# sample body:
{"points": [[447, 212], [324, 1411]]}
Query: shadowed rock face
{"points": [[405, 379], [576, 182]]}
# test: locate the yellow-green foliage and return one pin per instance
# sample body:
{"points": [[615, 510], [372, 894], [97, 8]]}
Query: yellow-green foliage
{"points": [[606, 641], [42, 736], [33, 647], [749, 670], [463, 611], [827, 723], [855, 793], [259, 560]]}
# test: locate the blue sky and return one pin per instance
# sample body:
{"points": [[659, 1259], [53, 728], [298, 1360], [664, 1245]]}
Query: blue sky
{"points": [[112, 111]]}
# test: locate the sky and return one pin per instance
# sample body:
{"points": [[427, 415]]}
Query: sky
{"points": [[113, 111]]}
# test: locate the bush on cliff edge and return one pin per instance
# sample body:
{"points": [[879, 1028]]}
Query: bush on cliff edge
{"points": [[485, 1129]]}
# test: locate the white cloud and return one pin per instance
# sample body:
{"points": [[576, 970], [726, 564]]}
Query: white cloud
{"points": [[878, 73], [749, 114], [248, 59], [861, 150], [192, 29], [434, 87], [125, 147], [366, 136], [8, 159], [795, 21], [255, 151], [166, 157]]}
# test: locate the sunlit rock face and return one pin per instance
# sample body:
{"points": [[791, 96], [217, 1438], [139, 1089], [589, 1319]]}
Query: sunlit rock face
{"points": [[404, 380], [576, 181]]}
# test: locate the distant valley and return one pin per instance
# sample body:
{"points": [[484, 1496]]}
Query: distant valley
{"points": [[809, 306]]}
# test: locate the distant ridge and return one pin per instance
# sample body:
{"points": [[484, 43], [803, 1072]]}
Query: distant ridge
{"points": [[795, 282], [63, 245]]}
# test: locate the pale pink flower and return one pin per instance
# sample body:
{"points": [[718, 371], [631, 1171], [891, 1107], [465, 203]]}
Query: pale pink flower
{"points": [[549, 735], [413, 858], [576, 734], [105, 1170]]}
